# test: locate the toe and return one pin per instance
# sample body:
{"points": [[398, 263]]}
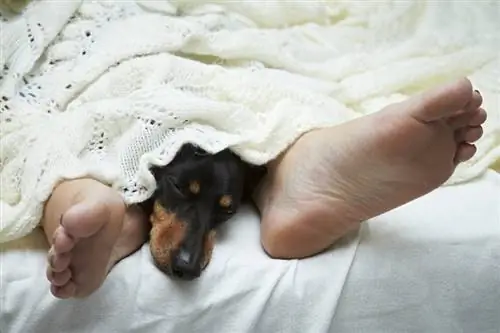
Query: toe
{"points": [[479, 118], [469, 134], [59, 262], [60, 279], [63, 292], [441, 102], [475, 102], [49, 274], [473, 118], [62, 242], [95, 215], [465, 152]]}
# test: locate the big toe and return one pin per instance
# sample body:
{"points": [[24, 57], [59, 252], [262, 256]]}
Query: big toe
{"points": [[93, 214], [440, 102]]}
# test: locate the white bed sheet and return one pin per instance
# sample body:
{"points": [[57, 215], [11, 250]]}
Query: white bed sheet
{"points": [[430, 266]]}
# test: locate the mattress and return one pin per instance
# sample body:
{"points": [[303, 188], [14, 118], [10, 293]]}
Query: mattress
{"points": [[432, 265]]}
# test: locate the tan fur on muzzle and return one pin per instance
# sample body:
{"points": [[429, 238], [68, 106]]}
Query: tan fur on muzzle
{"points": [[167, 234]]}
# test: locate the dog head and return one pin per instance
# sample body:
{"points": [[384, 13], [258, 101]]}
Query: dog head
{"points": [[195, 193]]}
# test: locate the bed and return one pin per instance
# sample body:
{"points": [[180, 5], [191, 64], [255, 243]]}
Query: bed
{"points": [[430, 266]]}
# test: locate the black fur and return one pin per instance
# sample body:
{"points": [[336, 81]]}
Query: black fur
{"points": [[222, 174]]}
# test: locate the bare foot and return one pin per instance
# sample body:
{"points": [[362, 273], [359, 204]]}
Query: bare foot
{"points": [[333, 179], [90, 230]]}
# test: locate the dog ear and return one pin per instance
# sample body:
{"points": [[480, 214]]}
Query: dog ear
{"points": [[189, 151], [253, 176], [147, 205], [186, 152], [157, 171]]}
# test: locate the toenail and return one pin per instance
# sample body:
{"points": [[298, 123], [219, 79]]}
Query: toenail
{"points": [[51, 260], [477, 91], [50, 275]]}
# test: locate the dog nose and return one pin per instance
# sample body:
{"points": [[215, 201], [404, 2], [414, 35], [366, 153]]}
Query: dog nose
{"points": [[184, 267]]}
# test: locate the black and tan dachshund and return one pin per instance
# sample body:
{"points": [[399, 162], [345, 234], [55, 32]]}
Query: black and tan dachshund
{"points": [[195, 193]]}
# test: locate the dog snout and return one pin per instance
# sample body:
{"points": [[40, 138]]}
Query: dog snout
{"points": [[185, 265]]}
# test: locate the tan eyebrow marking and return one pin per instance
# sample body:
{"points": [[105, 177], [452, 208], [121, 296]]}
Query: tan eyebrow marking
{"points": [[225, 201], [194, 187]]}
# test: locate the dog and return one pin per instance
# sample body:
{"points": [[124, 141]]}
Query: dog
{"points": [[195, 194]]}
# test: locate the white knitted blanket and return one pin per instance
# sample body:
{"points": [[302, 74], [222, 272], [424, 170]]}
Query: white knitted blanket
{"points": [[106, 89]]}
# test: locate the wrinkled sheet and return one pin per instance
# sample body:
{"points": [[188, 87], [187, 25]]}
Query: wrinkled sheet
{"points": [[430, 266]]}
